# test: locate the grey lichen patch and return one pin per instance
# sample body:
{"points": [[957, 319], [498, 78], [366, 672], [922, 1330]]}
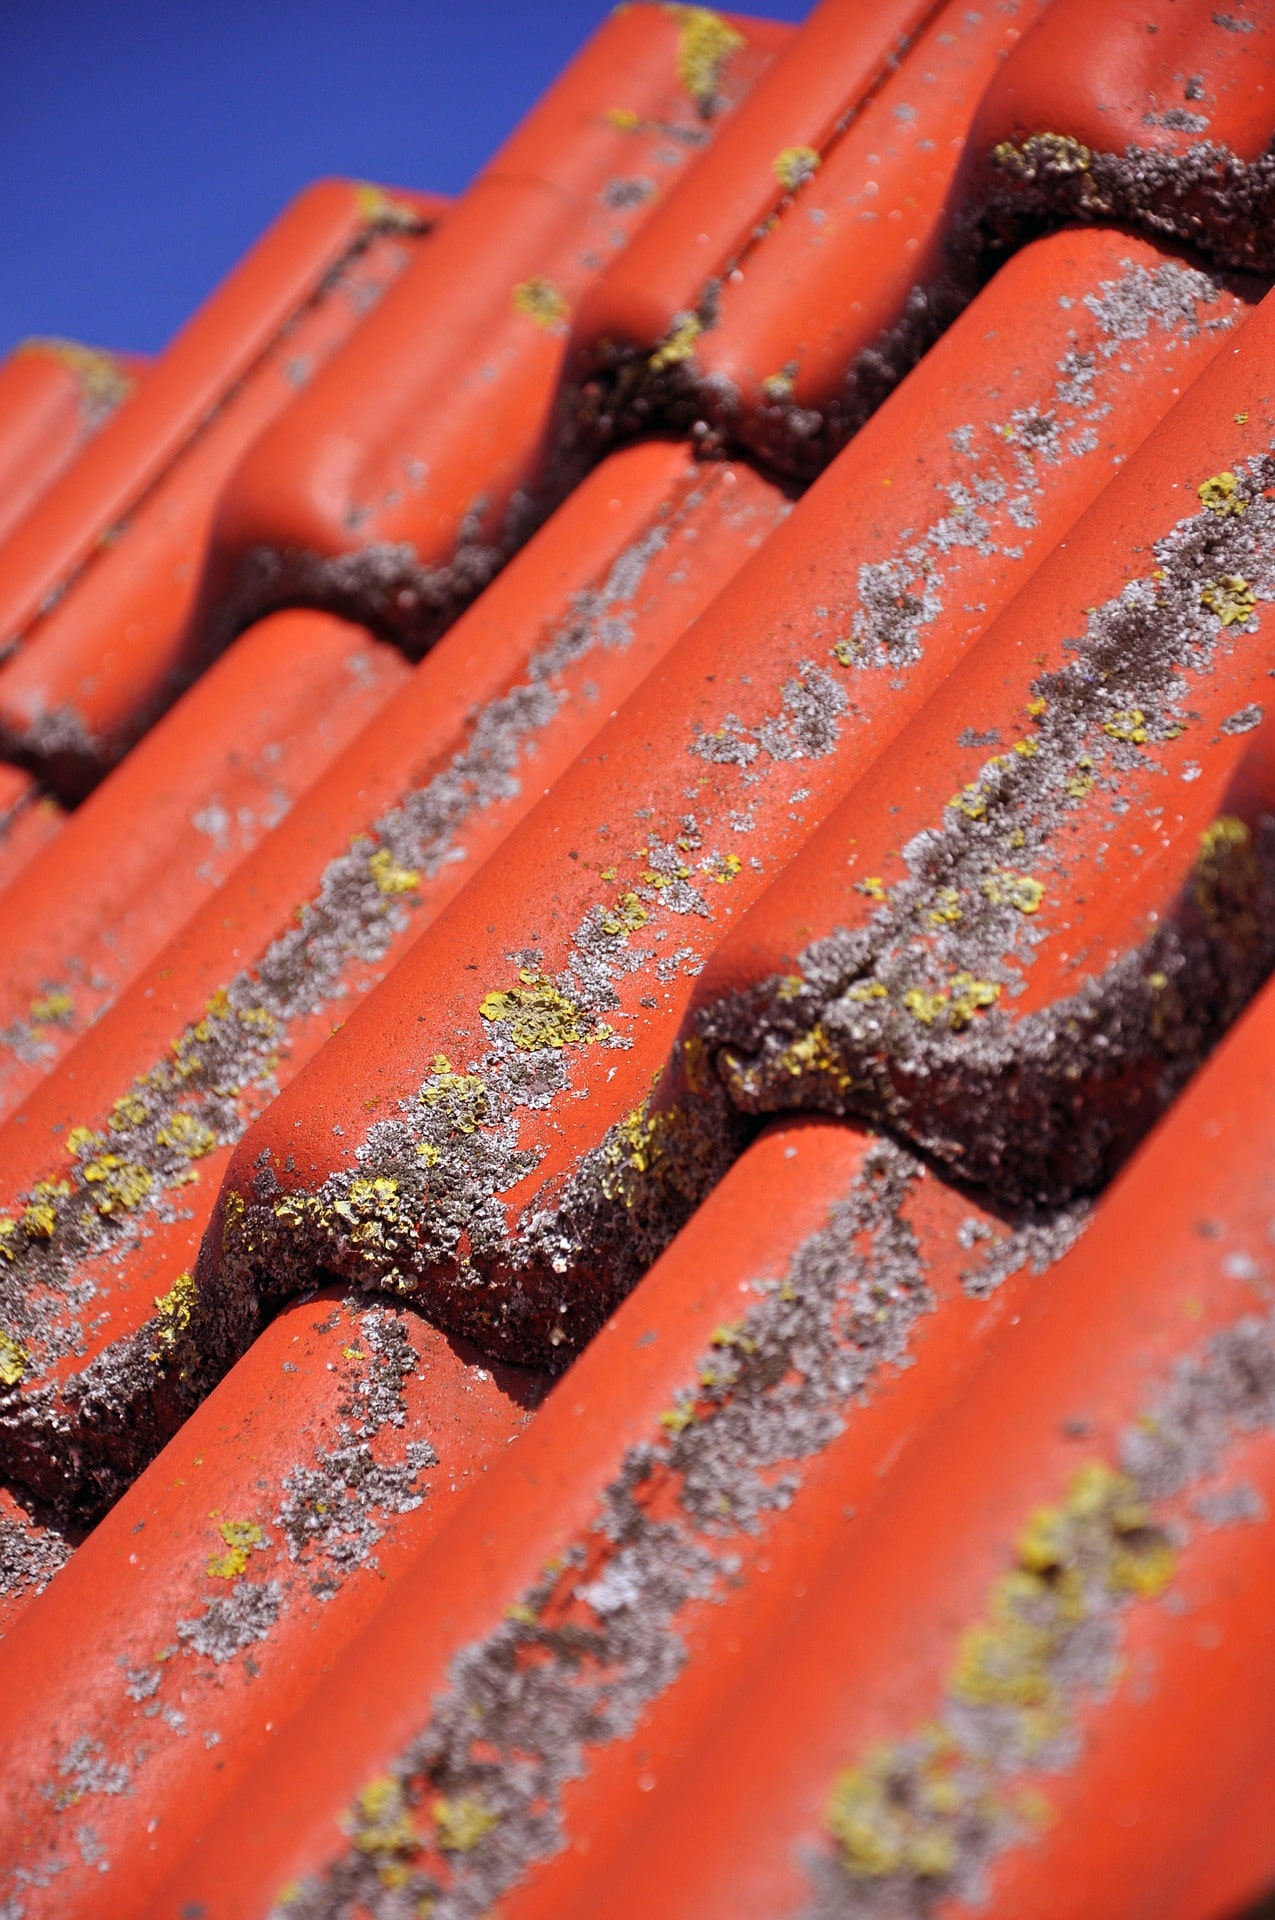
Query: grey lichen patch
{"points": [[318, 1524], [123, 1176], [233, 1620], [422, 1212], [1205, 196], [33, 1547], [583, 1652], [335, 1506], [918, 1821], [909, 1020]]}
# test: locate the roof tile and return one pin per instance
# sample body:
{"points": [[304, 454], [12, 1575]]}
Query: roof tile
{"points": [[896, 1536]]}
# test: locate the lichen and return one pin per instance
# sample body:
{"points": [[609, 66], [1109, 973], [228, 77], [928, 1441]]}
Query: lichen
{"points": [[542, 302], [241, 1537], [917, 1821], [705, 42], [794, 166], [581, 1655], [130, 1169], [909, 1020]]}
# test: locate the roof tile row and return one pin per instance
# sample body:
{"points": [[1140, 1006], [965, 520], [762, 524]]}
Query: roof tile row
{"points": [[882, 1552]]}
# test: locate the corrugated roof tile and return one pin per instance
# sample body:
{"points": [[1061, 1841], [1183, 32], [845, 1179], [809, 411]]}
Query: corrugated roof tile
{"points": [[899, 1542], [54, 396]]}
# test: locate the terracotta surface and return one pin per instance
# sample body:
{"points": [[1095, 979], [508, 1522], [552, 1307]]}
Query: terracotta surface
{"points": [[637, 892]]}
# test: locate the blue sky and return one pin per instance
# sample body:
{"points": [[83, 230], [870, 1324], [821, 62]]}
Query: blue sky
{"points": [[144, 146]]}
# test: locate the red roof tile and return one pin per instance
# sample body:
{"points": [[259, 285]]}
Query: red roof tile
{"points": [[874, 725]]}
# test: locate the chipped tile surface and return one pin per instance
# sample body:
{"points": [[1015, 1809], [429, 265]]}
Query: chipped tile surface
{"points": [[635, 1117]]}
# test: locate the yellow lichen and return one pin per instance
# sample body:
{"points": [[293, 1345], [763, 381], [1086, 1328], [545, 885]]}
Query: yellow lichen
{"points": [[1129, 724], [1055, 154], [51, 1009], [811, 1053], [790, 987], [82, 1140], [778, 387], [794, 166], [726, 868], [677, 1419], [101, 377], [381, 1821], [13, 1360], [1014, 890], [128, 1112], [1079, 783], [696, 1065], [1231, 598], [925, 1006], [733, 1336], [968, 997], [881, 1830], [971, 801], [625, 119], [873, 887], [678, 343], [462, 1097], [541, 301], [389, 876], [122, 1184], [174, 1308], [626, 916], [704, 44], [380, 209], [536, 1014], [900, 1811], [39, 1221], [186, 1135], [946, 911], [460, 1824], [1220, 493], [241, 1538], [1226, 871]]}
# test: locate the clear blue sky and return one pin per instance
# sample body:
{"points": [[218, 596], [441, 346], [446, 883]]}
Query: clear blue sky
{"points": [[143, 146]]}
